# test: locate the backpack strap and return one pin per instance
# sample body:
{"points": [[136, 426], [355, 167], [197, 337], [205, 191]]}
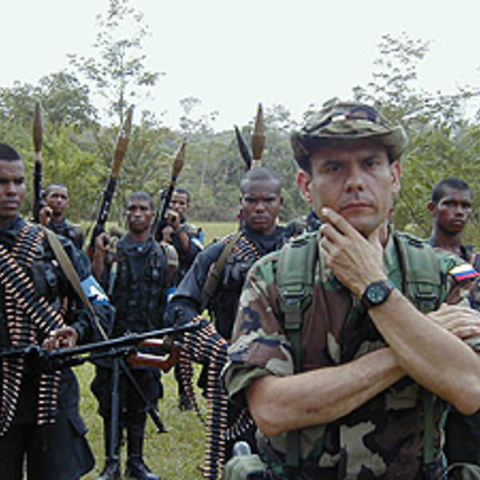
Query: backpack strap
{"points": [[475, 261], [216, 270], [425, 286], [295, 279], [423, 282]]}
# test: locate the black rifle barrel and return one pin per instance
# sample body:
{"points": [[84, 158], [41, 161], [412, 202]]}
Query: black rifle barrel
{"points": [[120, 344]]}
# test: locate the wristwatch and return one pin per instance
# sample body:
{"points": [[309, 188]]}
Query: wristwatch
{"points": [[376, 293]]}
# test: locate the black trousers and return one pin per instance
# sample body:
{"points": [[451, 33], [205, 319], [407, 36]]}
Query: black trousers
{"points": [[51, 452], [132, 411]]}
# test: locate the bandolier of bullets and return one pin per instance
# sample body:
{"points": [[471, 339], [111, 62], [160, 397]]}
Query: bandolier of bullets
{"points": [[30, 320], [207, 347]]}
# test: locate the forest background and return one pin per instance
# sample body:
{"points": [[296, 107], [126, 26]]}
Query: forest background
{"points": [[80, 132]]}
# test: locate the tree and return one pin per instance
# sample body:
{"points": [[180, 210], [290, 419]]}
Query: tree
{"points": [[441, 141], [118, 72], [66, 101]]}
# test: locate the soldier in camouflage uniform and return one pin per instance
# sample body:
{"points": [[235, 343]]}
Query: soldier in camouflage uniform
{"points": [[342, 397], [451, 209], [52, 215]]}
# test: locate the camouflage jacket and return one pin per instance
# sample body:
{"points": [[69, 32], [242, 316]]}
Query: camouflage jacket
{"points": [[383, 439]]}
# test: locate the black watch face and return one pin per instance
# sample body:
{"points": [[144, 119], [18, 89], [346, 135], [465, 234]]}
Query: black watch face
{"points": [[376, 293]]}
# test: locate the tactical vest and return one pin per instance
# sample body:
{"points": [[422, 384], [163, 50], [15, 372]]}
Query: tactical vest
{"points": [[241, 252], [423, 284], [139, 296], [68, 230]]}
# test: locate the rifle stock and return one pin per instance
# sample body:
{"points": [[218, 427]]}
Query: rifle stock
{"points": [[37, 176], [120, 151], [164, 363]]}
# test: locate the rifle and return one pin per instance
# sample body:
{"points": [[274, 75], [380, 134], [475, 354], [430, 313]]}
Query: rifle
{"points": [[118, 349], [177, 166], [37, 176], [120, 150]]}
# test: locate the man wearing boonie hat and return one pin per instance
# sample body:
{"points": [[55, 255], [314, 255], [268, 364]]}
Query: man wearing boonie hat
{"points": [[344, 348]]}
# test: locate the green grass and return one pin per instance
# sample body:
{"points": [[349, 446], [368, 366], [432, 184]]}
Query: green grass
{"points": [[176, 454], [216, 230]]}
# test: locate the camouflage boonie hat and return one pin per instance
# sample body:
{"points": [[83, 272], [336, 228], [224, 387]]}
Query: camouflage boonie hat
{"points": [[343, 122]]}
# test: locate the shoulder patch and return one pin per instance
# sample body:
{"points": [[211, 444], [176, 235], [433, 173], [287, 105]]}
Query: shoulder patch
{"points": [[94, 291], [463, 272]]}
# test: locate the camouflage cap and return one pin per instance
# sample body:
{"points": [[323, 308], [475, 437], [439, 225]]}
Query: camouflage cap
{"points": [[342, 122]]}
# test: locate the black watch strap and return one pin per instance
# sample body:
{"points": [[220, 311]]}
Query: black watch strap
{"points": [[377, 293]]}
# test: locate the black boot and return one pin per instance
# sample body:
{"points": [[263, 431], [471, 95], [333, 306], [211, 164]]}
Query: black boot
{"points": [[111, 470], [136, 469]]}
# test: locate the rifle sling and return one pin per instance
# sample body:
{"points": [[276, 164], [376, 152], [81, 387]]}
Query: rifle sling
{"points": [[72, 275], [216, 270]]}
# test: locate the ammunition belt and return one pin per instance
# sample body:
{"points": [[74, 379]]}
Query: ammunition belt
{"points": [[29, 320], [207, 347], [246, 250]]}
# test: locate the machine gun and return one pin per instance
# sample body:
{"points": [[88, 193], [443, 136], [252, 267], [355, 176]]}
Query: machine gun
{"points": [[125, 348], [128, 346]]}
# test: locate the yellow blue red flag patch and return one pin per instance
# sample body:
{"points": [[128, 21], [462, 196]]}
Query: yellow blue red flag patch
{"points": [[463, 272]]}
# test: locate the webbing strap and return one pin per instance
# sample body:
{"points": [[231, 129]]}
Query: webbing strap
{"points": [[429, 428], [72, 275], [295, 279], [216, 270]]}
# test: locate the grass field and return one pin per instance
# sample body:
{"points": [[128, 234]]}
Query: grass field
{"points": [[216, 230], [176, 454]]}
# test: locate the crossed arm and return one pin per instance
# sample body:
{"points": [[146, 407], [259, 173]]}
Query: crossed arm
{"points": [[427, 348]]}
